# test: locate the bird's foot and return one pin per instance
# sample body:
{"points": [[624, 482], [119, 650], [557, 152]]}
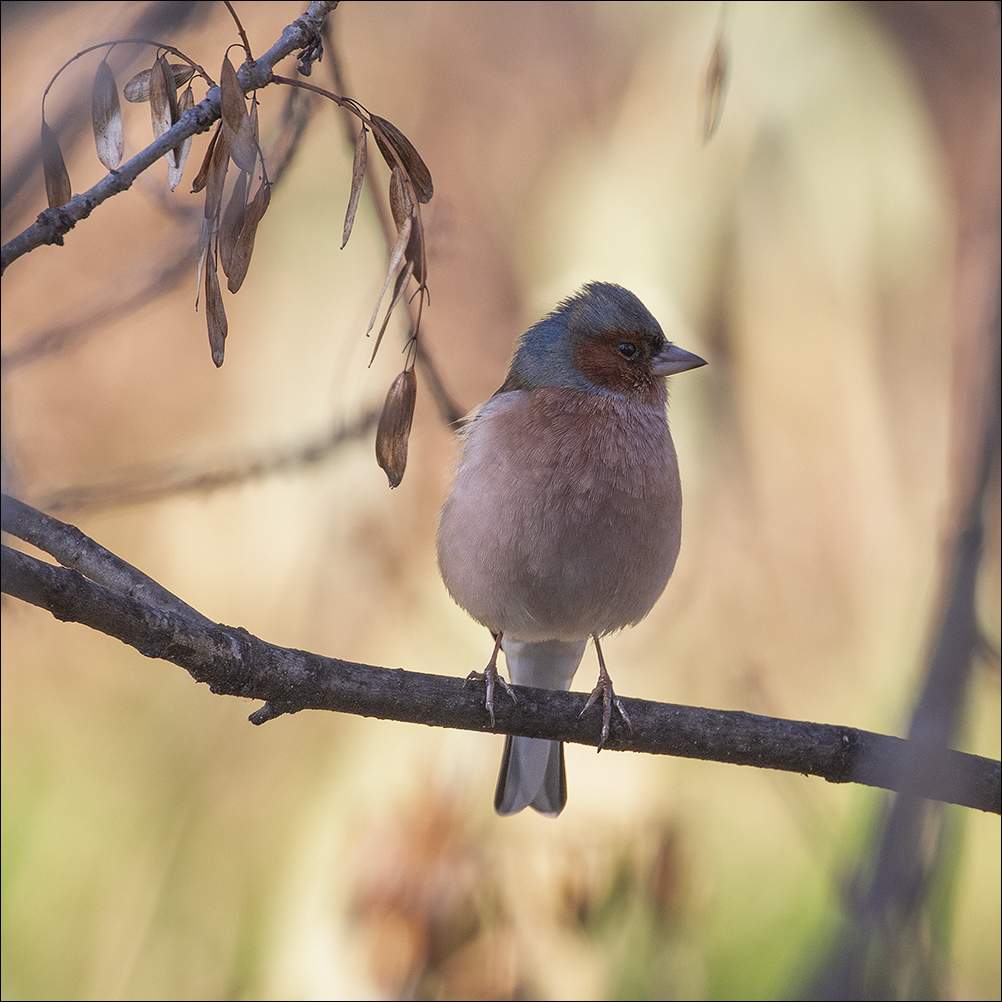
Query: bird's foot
{"points": [[604, 690], [492, 677]]}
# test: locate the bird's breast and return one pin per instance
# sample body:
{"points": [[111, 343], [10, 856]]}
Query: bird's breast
{"points": [[564, 518]]}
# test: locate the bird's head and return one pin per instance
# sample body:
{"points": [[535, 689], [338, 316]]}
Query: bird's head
{"points": [[601, 340]]}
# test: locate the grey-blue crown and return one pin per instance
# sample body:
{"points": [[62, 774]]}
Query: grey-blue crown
{"points": [[545, 352]]}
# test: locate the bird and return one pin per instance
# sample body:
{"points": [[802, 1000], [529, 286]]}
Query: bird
{"points": [[563, 521]]}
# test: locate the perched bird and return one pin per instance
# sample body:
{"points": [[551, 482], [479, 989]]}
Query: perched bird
{"points": [[564, 518]]}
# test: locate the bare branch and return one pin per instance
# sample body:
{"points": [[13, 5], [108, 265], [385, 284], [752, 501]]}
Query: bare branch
{"points": [[153, 484], [233, 662], [79, 552], [53, 224]]}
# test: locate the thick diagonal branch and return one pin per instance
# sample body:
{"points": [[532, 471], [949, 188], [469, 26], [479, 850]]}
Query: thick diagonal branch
{"points": [[102, 591]]}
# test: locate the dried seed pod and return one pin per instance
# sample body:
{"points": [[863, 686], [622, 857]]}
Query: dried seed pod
{"points": [[252, 118], [388, 135], [398, 290], [400, 199], [180, 152], [414, 255], [205, 229], [402, 208], [236, 124], [203, 172], [58, 190], [215, 315], [394, 427], [216, 176], [357, 177], [183, 72], [163, 103], [396, 256], [107, 115], [245, 242], [232, 221], [159, 101], [714, 84], [137, 90]]}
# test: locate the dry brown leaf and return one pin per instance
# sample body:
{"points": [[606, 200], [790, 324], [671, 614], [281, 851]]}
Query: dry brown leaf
{"points": [[245, 242], [137, 90], [394, 427], [237, 125], [107, 114], [714, 84], [215, 315], [357, 177], [57, 180], [181, 152], [233, 221], [216, 177], [203, 172], [388, 135]]}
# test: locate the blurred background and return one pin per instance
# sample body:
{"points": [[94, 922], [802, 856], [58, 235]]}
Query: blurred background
{"points": [[832, 251]]}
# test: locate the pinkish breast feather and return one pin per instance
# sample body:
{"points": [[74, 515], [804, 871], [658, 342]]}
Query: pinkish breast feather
{"points": [[564, 519]]}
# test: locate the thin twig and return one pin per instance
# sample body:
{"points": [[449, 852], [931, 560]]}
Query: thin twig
{"points": [[53, 224], [244, 41]]}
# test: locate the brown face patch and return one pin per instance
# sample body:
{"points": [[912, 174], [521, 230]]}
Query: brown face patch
{"points": [[619, 361]]}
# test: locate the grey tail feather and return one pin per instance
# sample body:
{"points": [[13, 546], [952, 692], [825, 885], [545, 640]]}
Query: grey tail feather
{"points": [[516, 789]]}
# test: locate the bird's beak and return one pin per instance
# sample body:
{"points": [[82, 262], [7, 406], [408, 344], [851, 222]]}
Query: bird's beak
{"points": [[671, 359]]}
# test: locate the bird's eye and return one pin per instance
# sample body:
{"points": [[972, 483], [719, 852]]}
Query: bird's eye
{"points": [[627, 349]]}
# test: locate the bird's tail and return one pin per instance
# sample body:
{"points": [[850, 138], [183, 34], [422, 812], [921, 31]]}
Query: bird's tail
{"points": [[532, 769]]}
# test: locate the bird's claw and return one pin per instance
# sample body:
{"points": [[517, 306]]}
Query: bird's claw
{"points": [[603, 688], [492, 677]]}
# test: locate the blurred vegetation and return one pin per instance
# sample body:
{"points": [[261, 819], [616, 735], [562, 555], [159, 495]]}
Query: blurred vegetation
{"points": [[833, 251]]}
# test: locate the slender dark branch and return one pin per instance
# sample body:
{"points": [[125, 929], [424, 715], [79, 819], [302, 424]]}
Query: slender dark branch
{"points": [[134, 295], [903, 864], [233, 662], [153, 484], [109, 45], [77, 551], [53, 224], [240, 28], [450, 412]]}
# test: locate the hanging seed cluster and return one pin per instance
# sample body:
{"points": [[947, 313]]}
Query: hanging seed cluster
{"points": [[229, 225], [226, 237]]}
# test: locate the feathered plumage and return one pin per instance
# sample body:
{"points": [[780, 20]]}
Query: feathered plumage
{"points": [[565, 515]]}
